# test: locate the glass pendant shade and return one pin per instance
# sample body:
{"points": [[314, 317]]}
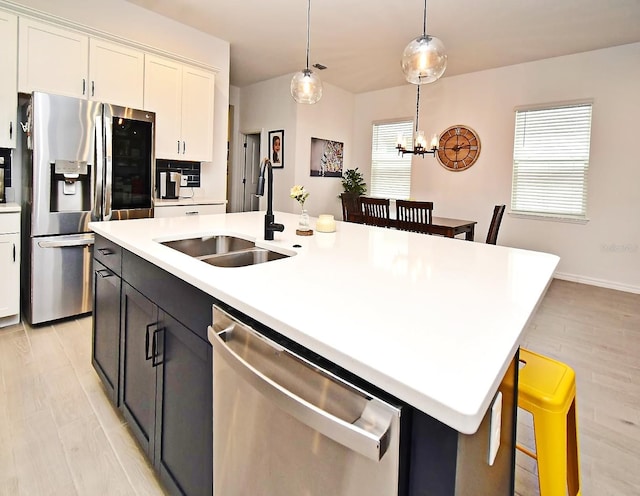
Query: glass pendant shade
{"points": [[424, 60], [306, 87]]}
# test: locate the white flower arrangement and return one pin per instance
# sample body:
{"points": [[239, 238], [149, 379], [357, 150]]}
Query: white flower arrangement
{"points": [[299, 194]]}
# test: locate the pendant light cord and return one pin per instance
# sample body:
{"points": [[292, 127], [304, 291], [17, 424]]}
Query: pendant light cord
{"points": [[424, 19], [417, 108], [308, 28]]}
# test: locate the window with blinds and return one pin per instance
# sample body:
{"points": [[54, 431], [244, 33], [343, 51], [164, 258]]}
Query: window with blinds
{"points": [[390, 172], [551, 160]]}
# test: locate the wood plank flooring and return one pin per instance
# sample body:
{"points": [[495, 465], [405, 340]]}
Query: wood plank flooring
{"points": [[59, 435]]}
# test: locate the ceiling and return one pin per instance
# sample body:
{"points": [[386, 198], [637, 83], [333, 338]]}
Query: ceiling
{"points": [[361, 41]]}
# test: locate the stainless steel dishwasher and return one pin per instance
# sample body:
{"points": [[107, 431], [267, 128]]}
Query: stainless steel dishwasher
{"points": [[283, 426]]}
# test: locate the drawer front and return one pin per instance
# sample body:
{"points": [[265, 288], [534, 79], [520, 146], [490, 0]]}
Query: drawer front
{"points": [[108, 254], [9, 222], [179, 210]]}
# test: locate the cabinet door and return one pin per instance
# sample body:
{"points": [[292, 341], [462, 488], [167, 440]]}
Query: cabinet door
{"points": [[52, 59], [116, 74], [105, 355], [138, 374], [184, 453], [8, 88], [10, 270], [162, 95], [197, 114]]}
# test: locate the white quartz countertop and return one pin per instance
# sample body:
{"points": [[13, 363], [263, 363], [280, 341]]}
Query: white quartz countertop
{"points": [[157, 202], [433, 321], [9, 207]]}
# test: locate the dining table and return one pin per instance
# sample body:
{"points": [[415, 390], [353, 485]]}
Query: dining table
{"points": [[445, 226]]}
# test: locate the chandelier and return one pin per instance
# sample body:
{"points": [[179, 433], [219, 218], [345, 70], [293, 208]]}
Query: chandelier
{"points": [[306, 87], [419, 141]]}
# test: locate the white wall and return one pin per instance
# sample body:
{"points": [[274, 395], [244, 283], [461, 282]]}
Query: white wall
{"points": [[268, 106], [606, 250], [126, 20]]}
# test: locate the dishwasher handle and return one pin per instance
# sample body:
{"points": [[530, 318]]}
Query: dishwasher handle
{"points": [[369, 435]]}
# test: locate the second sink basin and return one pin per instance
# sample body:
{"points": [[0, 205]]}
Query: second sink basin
{"points": [[224, 251], [243, 258]]}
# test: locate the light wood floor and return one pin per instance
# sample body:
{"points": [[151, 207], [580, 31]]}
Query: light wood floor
{"points": [[60, 436]]}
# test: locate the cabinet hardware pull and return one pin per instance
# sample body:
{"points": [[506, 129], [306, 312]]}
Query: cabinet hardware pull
{"points": [[105, 251], [154, 348], [178, 146], [148, 356], [14, 252], [192, 212], [93, 88], [184, 147], [84, 86], [104, 273], [10, 129]]}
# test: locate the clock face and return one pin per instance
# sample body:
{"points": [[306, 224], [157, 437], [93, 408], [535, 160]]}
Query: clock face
{"points": [[458, 148]]}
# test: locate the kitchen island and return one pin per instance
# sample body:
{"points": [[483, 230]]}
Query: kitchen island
{"points": [[434, 322]]}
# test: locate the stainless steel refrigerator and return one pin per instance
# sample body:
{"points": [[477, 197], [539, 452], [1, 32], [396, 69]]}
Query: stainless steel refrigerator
{"points": [[83, 161]]}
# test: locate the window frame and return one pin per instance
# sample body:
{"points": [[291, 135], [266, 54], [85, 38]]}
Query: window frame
{"points": [[578, 155], [408, 124]]}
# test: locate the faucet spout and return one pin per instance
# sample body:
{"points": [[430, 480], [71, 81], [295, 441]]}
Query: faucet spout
{"points": [[269, 225]]}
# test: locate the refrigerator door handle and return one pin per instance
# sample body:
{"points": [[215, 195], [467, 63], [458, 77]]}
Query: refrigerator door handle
{"points": [[108, 160], [96, 212]]}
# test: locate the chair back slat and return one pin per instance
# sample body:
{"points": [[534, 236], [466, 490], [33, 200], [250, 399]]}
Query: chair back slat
{"points": [[414, 216], [492, 235], [375, 211]]}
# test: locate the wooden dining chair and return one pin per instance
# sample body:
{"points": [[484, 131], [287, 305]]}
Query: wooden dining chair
{"points": [[414, 216], [492, 235], [375, 211], [351, 208]]}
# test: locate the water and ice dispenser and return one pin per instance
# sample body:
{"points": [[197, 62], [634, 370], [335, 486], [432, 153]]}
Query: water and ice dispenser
{"points": [[70, 186]]}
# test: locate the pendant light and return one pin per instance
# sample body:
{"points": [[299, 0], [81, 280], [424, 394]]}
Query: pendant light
{"points": [[424, 60], [306, 87]]}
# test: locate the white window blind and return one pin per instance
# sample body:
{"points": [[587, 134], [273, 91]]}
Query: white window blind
{"points": [[551, 160], [390, 172]]}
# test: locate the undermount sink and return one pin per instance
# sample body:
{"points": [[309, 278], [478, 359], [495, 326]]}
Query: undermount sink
{"points": [[206, 246], [224, 251]]}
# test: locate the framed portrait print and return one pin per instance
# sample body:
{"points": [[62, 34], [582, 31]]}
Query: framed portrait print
{"points": [[276, 148], [326, 158]]}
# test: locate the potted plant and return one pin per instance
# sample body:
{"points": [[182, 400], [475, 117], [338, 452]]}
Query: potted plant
{"points": [[354, 187]]}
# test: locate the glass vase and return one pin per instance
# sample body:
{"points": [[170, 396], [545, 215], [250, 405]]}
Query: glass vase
{"points": [[303, 223]]}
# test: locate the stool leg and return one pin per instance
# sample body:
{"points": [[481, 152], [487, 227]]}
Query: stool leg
{"points": [[551, 449], [573, 459]]}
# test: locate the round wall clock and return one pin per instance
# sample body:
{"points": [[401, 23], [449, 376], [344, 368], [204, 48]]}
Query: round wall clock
{"points": [[458, 148]]}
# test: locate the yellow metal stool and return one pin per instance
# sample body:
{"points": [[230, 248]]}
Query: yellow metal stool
{"points": [[547, 389]]}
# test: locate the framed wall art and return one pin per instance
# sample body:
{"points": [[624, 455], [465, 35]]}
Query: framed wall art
{"points": [[276, 148], [326, 158]]}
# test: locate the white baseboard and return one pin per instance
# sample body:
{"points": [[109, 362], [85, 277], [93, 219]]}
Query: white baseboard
{"points": [[598, 282]]}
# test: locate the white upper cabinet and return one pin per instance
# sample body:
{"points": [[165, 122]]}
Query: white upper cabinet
{"points": [[52, 59], [8, 90], [65, 62], [182, 98], [116, 74], [197, 113]]}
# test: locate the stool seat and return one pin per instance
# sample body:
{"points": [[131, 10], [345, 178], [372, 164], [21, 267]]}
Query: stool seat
{"points": [[547, 389], [545, 383]]}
